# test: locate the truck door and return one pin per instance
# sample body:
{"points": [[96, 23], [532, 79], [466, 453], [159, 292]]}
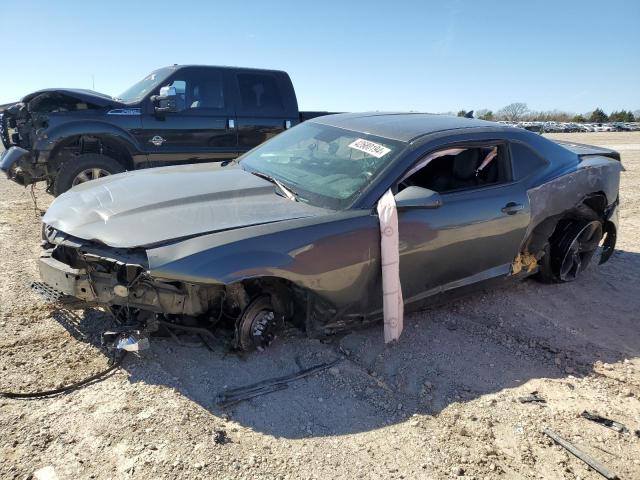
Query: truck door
{"points": [[264, 106], [203, 127]]}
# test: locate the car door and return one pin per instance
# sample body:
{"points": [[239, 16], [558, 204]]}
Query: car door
{"points": [[203, 128], [263, 108], [474, 235]]}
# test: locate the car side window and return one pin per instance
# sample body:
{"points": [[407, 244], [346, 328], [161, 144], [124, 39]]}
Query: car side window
{"points": [[206, 91], [200, 92], [460, 168], [259, 93], [525, 160]]}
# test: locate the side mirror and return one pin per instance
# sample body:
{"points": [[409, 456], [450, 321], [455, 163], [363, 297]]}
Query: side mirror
{"points": [[418, 197], [166, 101]]}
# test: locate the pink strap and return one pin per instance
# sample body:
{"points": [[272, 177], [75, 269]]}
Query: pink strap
{"points": [[490, 156]]}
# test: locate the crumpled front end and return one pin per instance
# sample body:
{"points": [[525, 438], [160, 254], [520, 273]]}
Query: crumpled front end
{"points": [[24, 129], [98, 276], [16, 164], [78, 273], [16, 131]]}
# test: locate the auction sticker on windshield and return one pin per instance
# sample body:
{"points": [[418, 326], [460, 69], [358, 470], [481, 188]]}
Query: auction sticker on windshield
{"points": [[372, 148]]}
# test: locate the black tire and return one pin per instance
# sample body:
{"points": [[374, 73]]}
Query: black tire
{"points": [[72, 169], [570, 250], [258, 324]]}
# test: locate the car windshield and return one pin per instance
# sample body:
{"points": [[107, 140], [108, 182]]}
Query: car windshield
{"points": [[144, 86], [323, 165]]}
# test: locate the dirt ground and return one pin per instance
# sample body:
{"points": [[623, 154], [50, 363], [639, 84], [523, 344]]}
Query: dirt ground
{"points": [[441, 403]]}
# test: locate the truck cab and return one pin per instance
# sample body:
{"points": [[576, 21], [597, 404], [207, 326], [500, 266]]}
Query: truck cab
{"points": [[176, 114]]}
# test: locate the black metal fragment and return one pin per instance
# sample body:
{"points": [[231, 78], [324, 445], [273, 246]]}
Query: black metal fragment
{"points": [[533, 397], [236, 395], [612, 424], [221, 438]]}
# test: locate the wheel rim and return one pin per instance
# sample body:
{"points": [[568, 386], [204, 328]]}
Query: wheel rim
{"points": [[263, 328], [582, 243], [89, 174]]}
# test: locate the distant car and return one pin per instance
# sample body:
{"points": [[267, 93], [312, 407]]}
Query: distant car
{"points": [[290, 231], [620, 127]]}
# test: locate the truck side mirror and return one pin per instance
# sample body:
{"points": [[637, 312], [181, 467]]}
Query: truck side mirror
{"points": [[417, 197], [167, 100]]}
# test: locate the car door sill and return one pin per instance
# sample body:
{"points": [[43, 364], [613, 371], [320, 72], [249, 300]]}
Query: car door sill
{"points": [[491, 273]]}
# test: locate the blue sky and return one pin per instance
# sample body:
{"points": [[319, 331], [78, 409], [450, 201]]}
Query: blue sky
{"points": [[342, 55]]}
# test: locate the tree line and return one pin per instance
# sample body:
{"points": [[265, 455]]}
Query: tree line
{"points": [[518, 112]]}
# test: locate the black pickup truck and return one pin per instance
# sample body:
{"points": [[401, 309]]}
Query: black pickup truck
{"points": [[177, 114]]}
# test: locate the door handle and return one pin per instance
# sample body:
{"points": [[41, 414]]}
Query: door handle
{"points": [[512, 208]]}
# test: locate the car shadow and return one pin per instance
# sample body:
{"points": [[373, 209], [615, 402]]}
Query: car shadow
{"points": [[487, 342]]}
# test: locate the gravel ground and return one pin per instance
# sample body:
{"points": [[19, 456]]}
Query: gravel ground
{"points": [[441, 403]]}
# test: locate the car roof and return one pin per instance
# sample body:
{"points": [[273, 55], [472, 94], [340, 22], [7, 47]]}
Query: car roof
{"points": [[224, 67], [404, 127]]}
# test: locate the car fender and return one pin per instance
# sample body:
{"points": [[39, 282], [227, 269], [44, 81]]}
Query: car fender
{"points": [[330, 256], [568, 191], [54, 137], [11, 157]]}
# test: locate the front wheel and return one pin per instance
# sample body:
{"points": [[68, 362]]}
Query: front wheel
{"points": [[258, 324], [84, 168], [570, 250]]}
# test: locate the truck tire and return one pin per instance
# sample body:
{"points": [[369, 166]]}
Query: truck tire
{"points": [[83, 168]]}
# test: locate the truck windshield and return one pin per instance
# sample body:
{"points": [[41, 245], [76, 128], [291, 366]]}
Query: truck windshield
{"points": [[137, 92], [325, 166]]}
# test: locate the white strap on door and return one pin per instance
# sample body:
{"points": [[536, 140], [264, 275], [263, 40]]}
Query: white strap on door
{"points": [[432, 156], [392, 305]]}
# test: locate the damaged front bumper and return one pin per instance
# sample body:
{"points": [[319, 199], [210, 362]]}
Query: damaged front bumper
{"points": [[64, 279], [96, 279], [16, 163]]}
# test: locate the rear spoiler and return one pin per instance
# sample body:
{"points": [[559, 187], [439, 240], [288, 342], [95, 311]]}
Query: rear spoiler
{"points": [[583, 150]]}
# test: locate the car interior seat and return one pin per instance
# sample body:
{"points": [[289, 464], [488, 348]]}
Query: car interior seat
{"points": [[462, 173], [196, 97]]}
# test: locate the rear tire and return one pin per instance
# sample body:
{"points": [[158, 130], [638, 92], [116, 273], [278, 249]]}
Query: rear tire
{"points": [[570, 250], [83, 168]]}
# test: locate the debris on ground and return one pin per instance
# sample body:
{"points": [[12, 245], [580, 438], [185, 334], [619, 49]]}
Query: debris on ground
{"points": [[45, 473], [236, 395], [533, 397], [220, 437], [612, 424], [585, 457]]}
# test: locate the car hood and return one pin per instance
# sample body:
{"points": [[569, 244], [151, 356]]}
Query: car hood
{"points": [[88, 96], [157, 205]]}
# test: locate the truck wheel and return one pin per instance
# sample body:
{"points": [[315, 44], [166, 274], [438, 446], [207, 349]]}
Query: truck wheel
{"points": [[570, 249], [83, 168]]}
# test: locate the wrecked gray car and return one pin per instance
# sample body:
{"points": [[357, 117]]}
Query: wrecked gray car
{"points": [[289, 232]]}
